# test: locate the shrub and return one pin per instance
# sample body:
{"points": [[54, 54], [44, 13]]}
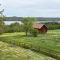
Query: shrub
{"points": [[34, 32]]}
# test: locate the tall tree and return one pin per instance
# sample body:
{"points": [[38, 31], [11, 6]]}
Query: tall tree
{"points": [[1, 21], [27, 24]]}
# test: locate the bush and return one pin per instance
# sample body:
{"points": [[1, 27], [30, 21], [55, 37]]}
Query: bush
{"points": [[14, 27], [34, 32], [1, 30]]}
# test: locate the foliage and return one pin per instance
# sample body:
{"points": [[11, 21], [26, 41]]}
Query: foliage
{"points": [[1, 25], [34, 32], [27, 24], [53, 25], [14, 27], [1, 21]]}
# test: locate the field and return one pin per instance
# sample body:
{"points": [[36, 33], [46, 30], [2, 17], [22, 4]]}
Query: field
{"points": [[10, 52], [47, 44]]}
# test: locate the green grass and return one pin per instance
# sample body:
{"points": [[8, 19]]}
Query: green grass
{"points": [[11, 52], [48, 44]]}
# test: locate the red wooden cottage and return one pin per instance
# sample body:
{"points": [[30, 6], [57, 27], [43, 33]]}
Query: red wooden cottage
{"points": [[40, 27]]}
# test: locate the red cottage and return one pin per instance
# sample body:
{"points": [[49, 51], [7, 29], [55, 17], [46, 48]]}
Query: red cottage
{"points": [[40, 27]]}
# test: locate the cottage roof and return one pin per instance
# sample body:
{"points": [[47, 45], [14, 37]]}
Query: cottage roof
{"points": [[38, 25]]}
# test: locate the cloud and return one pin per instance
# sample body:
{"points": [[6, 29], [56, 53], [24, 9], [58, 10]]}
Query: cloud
{"points": [[31, 7], [42, 4]]}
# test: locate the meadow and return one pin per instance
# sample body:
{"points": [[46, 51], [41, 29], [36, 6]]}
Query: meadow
{"points": [[47, 44], [9, 52]]}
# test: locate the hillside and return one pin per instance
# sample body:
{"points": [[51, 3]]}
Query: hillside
{"points": [[38, 19]]}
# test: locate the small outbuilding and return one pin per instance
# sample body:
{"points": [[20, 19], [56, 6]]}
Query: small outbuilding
{"points": [[42, 28]]}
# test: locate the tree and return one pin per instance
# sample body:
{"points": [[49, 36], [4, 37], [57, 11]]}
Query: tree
{"points": [[1, 22], [1, 25], [27, 24], [14, 27]]}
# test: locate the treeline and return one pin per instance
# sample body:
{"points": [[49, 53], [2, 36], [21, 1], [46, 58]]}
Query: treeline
{"points": [[14, 18], [53, 25], [14, 27]]}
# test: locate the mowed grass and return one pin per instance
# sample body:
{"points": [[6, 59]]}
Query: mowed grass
{"points": [[45, 43], [12, 52]]}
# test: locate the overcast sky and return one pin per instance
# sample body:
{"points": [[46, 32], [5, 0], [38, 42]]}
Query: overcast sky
{"points": [[39, 8]]}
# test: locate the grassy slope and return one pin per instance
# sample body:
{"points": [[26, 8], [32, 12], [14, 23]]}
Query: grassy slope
{"points": [[10, 52], [49, 41]]}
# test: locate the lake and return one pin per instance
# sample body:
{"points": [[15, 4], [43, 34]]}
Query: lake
{"points": [[10, 22]]}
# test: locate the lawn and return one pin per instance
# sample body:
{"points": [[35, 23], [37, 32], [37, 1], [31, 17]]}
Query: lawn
{"points": [[12, 52], [48, 44]]}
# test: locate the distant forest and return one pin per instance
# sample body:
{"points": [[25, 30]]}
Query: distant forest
{"points": [[37, 18]]}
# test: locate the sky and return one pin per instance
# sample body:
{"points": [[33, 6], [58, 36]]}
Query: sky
{"points": [[34, 8]]}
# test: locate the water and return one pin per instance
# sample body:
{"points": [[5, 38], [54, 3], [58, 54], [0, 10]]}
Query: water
{"points": [[10, 22]]}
